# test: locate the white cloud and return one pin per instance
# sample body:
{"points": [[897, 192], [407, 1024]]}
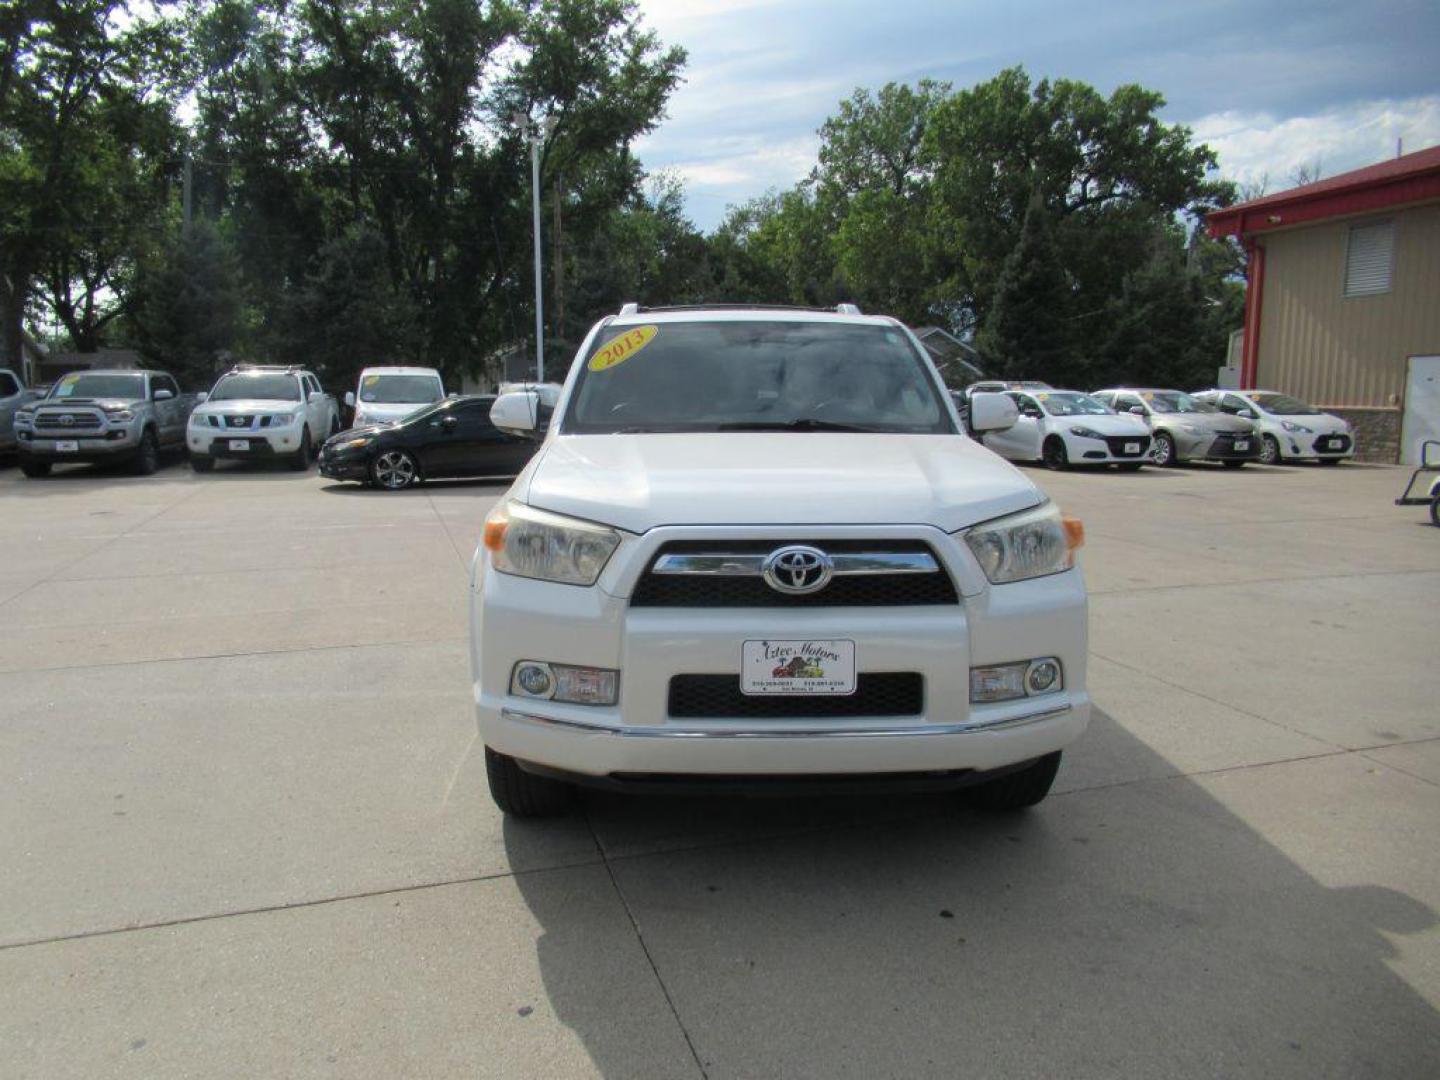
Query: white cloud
{"points": [[1256, 145]]}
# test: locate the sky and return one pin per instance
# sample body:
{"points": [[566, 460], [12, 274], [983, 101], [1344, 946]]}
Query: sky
{"points": [[1271, 86]]}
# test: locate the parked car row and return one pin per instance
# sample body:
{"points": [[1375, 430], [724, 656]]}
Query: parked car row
{"points": [[1131, 427], [406, 428]]}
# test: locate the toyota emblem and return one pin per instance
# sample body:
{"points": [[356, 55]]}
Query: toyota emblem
{"points": [[797, 569], [67, 419]]}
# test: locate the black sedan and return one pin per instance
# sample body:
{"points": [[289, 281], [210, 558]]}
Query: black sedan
{"points": [[448, 439]]}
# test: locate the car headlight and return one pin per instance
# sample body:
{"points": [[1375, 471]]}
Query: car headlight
{"points": [[1026, 545], [283, 419], [1300, 428], [24, 416], [119, 416], [199, 419], [536, 544], [1086, 433], [354, 444]]}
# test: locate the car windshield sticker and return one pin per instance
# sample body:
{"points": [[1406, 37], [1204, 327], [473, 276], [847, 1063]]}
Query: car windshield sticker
{"points": [[623, 348], [1042, 397], [371, 380], [67, 386], [1148, 396]]}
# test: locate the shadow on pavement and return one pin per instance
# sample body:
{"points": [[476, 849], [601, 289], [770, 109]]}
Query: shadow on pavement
{"points": [[1136, 929]]}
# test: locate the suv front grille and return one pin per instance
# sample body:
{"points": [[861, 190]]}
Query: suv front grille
{"points": [[885, 693], [861, 590], [78, 421]]}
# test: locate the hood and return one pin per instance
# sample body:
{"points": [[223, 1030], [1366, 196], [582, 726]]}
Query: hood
{"points": [[247, 405], [1320, 423], [638, 482], [1123, 424], [88, 403], [358, 432], [1219, 423], [385, 413]]}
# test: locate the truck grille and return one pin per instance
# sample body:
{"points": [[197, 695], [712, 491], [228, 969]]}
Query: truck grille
{"points": [[67, 420], [883, 693], [860, 590]]}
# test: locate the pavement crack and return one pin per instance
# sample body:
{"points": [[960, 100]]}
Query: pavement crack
{"points": [[645, 948]]}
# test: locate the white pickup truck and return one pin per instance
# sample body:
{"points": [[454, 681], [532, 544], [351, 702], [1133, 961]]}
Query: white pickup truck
{"points": [[756, 549], [262, 412]]}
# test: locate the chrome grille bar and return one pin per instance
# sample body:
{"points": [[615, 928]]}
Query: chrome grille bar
{"points": [[849, 563]]}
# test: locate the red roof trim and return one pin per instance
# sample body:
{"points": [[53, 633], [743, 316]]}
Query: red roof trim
{"points": [[1409, 179]]}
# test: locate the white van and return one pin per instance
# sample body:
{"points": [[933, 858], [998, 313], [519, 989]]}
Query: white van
{"points": [[386, 395]]}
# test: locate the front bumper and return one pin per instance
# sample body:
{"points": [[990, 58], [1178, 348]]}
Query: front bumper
{"points": [[1317, 447], [517, 619], [203, 443], [1207, 445], [344, 466], [90, 448], [1110, 450]]}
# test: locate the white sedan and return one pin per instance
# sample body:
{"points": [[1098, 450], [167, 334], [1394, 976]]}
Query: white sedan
{"points": [[1290, 429], [1065, 427]]}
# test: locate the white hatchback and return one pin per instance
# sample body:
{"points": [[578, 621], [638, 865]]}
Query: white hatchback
{"points": [[1290, 429], [1066, 427], [757, 549]]}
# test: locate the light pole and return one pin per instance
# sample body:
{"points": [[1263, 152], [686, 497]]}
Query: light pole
{"points": [[534, 135]]}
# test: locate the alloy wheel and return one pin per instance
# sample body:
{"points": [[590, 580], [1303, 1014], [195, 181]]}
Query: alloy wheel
{"points": [[1269, 451], [394, 469]]}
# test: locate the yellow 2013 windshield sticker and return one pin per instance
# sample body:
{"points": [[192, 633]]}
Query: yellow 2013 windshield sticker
{"points": [[622, 348], [371, 380]]}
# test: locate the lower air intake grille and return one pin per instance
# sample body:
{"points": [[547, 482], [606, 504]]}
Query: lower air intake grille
{"points": [[886, 693]]}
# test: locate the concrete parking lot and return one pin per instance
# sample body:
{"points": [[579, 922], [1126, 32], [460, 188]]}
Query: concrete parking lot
{"points": [[244, 828]]}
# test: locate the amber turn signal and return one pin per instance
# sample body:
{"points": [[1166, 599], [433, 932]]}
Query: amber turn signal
{"points": [[1074, 533]]}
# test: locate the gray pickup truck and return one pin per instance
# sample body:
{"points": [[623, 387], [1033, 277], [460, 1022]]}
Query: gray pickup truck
{"points": [[12, 395], [103, 416]]}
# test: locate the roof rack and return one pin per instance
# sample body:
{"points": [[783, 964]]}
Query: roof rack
{"points": [[284, 369], [632, 308]]}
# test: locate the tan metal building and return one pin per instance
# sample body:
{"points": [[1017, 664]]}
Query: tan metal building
{"points": [[1343, 298]]}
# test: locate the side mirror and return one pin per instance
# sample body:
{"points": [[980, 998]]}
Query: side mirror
{"points": [[164, 395], [349, 399], [991, 412], [316, 396], [450, 395], [202, 397], [518, 413], [1137, 410]]}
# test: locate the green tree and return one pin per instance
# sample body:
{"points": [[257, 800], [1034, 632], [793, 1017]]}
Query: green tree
{"points": [[1027, 331], [186, 306]]}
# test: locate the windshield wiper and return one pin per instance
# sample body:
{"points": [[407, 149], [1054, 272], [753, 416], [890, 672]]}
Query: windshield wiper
{"points": [[803, 424]]}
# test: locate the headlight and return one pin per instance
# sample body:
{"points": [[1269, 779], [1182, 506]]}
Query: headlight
{"points": [[283, 419], [1030, 544], [355, 444], [198, 419], [119, 416], [24, 416], [1301, 428], [1086, 433], [536, 544]]}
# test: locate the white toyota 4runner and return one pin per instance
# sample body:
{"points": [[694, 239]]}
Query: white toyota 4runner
{"points": [[756, 550]]}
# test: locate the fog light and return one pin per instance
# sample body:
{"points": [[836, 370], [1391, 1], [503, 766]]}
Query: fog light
{"points": [[566, 682], [1044, 676], [1008, 682]]}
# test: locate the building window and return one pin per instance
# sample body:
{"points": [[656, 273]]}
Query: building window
{"points": [[1369, 259]]}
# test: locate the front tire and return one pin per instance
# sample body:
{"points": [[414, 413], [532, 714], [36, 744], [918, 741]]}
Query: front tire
{"points": [[523, 795], [1053, 453], [394, 470], [1017, 790], [1235, 464], [147, 457], [1164, 451], [300, 461], [35, 470], [1131, 466], [1269, 450], [202, 463]]}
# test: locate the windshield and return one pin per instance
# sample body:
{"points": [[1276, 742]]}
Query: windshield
{"points": [[401, 389], [1283, 405], [263, 387], [1171, 401], [1064, 404], [127, 387], [748, 376]]}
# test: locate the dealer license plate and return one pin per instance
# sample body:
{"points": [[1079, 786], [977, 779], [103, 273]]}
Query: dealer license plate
{"points": [[1332, 444], [797, 667], [67, 446], [1242, 444], [1132, 448], [239, 444]]}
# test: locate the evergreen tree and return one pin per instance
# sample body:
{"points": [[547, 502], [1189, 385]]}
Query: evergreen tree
{"points": [[187, 307], [1027, 333]]}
